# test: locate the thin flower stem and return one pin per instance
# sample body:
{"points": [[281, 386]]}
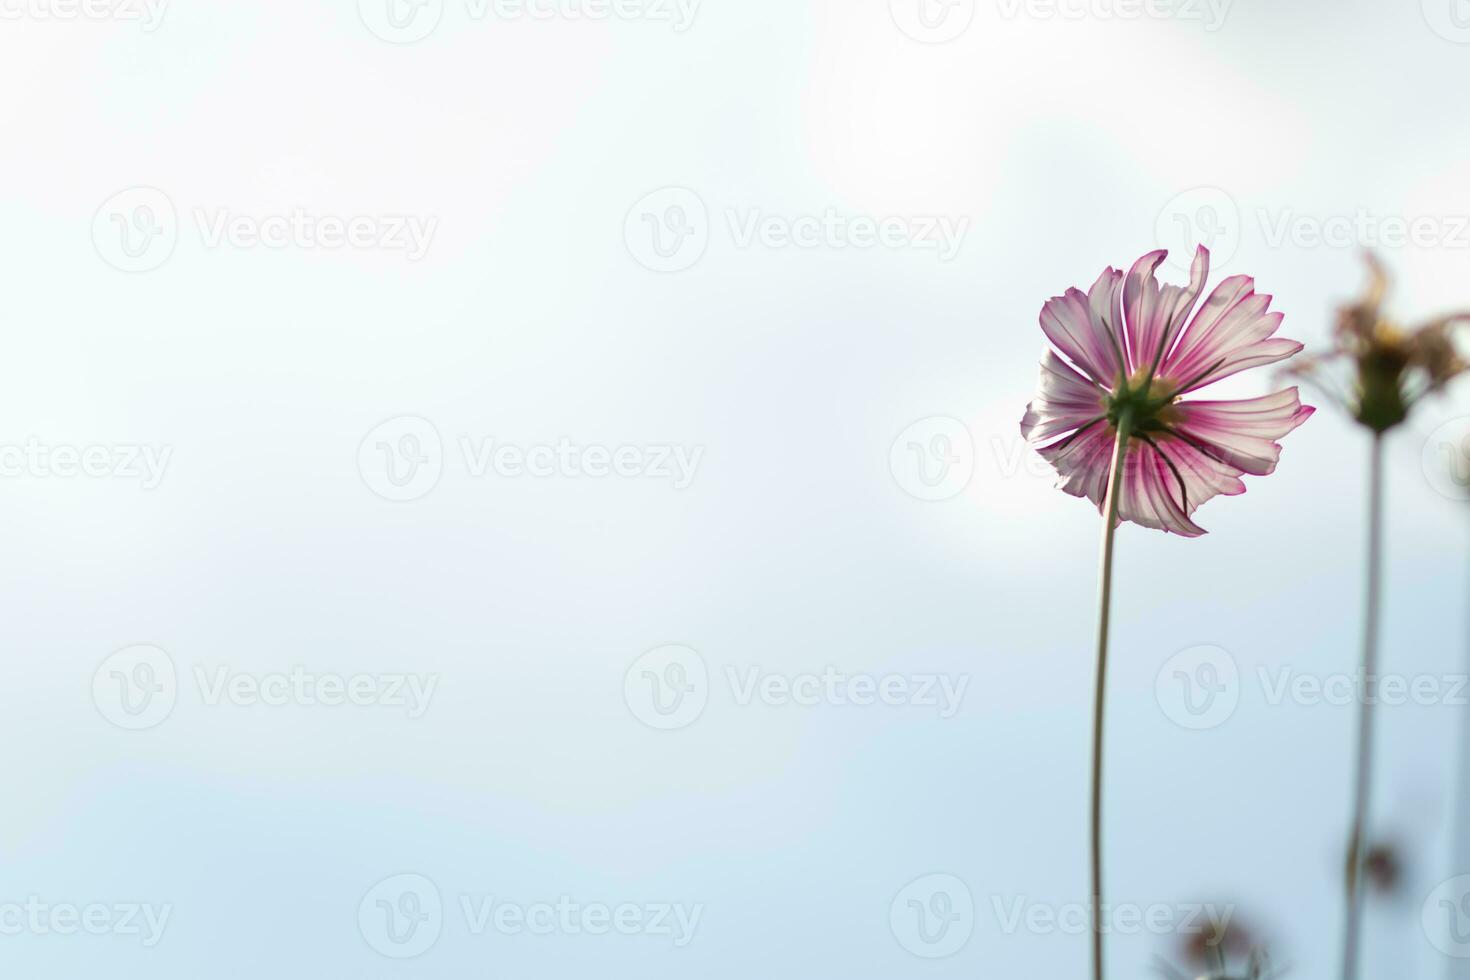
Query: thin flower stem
{"points": [[1455, 968], [1363, 780], [1104, 615]]}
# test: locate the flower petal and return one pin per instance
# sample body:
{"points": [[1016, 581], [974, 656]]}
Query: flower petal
{"points": [[1065, 401], [1231, 332], [1204, 476], [1083, 462], [1155, 315], [1105, 299], [1153, 493], [1242, 434], [1082, 327], [1165, 480]]}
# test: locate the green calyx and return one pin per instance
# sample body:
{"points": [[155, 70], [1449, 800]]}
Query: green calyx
{"points": [[1146, 401], [1381, 404]]}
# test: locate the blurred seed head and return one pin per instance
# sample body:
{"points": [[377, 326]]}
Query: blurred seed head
{"points": [[1234, 955], [1209, 956], [1383, 868]]}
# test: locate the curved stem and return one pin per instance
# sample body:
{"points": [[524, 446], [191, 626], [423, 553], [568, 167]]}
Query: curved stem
{"points": [[1104, 615], [1363, 779]]}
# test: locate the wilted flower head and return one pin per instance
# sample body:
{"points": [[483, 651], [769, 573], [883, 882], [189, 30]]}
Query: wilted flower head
{"points": [[1132, 350], [1393, 367], [1214, 952], [1230, 940]]}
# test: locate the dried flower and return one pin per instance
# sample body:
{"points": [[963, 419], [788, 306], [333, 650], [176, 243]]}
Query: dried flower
{"points": [[1394, 368]]}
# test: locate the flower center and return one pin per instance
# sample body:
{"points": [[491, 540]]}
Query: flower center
{"points": [[1150, 401]]}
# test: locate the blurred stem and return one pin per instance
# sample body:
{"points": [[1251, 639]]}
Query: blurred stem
{"points": [[1459, 969], [1363, 780], [1104, 615]]}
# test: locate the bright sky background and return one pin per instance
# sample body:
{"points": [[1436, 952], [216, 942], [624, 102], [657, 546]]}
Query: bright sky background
{"points": [[538, 156]]}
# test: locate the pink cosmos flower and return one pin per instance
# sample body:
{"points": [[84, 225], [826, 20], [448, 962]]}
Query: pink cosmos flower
{"points": [[1133, 347]]}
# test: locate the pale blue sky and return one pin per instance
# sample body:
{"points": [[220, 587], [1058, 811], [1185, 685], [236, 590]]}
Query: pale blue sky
{"points": [[1059, 145]]}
